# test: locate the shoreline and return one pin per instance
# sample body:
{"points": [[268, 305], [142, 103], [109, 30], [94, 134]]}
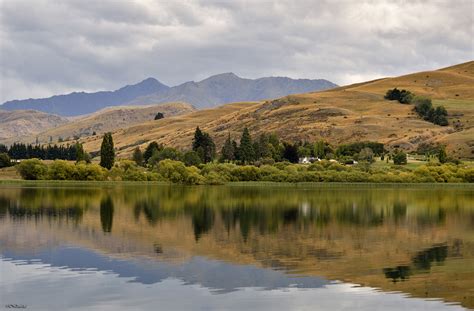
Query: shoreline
{"points": [[65, 183]]}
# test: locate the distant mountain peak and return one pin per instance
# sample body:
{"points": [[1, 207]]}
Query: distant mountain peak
{"points": [[222, 76]]}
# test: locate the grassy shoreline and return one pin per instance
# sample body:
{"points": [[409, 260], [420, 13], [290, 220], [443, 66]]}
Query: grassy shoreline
{"points": [[66, 183]]}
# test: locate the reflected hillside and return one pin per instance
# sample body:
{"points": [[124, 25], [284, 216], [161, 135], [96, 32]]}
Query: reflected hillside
{"points": [[416, 240]]}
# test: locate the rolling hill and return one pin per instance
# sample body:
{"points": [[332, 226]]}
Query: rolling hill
{"points": [[27, 122], [105, 120], [352, 113], [213, 91]]}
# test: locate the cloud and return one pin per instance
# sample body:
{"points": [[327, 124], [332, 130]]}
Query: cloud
{"points": [[52, 46]]}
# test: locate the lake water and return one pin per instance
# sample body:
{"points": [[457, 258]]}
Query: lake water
{"points": [[138, 247]]}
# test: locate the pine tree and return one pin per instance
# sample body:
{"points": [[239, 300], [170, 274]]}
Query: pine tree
{"points": [[107, 152], [137, 156], [152, 148], [228, 151], [198, 138], [204, 145], [246, 150]]}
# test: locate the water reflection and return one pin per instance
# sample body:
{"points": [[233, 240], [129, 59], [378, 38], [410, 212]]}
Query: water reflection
{"points": [[419, 241], [106, 214]]}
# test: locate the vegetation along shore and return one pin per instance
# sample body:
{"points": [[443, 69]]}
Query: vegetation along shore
{"points": [[264, 159]]}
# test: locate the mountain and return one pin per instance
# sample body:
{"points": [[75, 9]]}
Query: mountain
{"points": [[27, 122], [105, 120], [218, 89], [227, 88], [79, 103], [351, 113]]}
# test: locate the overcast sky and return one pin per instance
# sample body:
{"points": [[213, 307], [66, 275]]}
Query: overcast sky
{"points": [[50, 47]]}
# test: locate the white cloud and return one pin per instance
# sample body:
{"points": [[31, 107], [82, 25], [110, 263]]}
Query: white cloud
{"points": [[50, 47]]}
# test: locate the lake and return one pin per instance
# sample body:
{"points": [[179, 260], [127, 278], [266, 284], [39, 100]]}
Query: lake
{"points": [[240, 247]]}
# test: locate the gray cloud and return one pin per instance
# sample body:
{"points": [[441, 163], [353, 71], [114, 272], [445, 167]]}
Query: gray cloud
{"points": [[51, 46]]}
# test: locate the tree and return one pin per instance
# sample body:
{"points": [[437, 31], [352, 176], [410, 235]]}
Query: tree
{"points": [[4, 160], [106, 214], [137, 156], [246, 150], [228, 151], [198, 139], [107, 152], [442, 156], [204, 145], [400, 158], [291, 152], [191, 158], [150, 150], [159, 115], [166, 153], [366, 155], [403, 96]]}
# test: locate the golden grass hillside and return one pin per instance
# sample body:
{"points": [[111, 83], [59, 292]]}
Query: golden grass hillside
{"points": [[352, 113], [27, 122], [105, 120]]}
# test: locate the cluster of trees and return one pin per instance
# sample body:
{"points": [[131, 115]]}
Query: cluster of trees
{"points": [[423, 106], [402, 96], [219, 173], [49, 152]]}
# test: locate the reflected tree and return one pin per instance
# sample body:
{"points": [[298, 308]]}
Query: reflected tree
{"points": [[203, 220], [106, 214]]}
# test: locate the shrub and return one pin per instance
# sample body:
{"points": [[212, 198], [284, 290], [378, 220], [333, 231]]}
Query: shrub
{"points": [[166, 153], [174, 171], [4, 160], [191, 158], [213, 178], [90, 172], [246, 173], [61, 170], [400, 158], [32, 169], [402, 96]]}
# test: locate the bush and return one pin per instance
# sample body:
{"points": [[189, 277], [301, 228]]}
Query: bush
{"points": [[129, 171], [61, 170], [400, 158], [5, 160], [32, 169], [166, 153], [191, 158], [402, 96], [246, 173], [90, 172], [174, 171]]}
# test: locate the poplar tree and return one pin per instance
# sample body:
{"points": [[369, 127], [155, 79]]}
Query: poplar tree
{"points": [[107, 152]]}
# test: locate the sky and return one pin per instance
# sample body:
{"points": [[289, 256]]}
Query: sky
{"points": [[52, 47]]}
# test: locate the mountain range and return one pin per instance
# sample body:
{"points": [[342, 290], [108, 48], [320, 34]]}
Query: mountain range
{"points": [[210, 92]]}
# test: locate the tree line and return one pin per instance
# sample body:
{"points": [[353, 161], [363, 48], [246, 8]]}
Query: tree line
{"points": [[48, 152], [266, 148]]}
